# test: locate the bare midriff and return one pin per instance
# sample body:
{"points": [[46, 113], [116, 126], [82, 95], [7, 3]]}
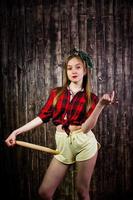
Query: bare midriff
{"points": [[71, 128]]}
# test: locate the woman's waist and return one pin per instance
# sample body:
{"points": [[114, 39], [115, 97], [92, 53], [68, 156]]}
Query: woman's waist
{"points": [[71, 128]]}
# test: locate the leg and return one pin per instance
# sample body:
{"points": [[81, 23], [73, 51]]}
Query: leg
{"points": [[83, 179], [53, 177]]}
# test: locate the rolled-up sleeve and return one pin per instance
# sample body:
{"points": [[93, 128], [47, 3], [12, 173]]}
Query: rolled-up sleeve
{"points": [[47, 110]]}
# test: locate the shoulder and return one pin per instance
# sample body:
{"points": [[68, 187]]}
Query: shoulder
{"points": [[55, 91]]}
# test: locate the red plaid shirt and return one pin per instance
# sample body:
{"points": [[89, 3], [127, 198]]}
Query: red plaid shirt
{"points": [[67, 112]]}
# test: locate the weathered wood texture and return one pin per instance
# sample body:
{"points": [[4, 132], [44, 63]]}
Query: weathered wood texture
{"points": [[35, 37]]}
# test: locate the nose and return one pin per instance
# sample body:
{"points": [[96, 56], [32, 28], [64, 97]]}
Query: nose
{"points": [[74, 71]]}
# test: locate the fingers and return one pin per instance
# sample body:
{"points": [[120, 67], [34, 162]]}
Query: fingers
{"points": [[10, 141], [108, 98], [112, 96]]}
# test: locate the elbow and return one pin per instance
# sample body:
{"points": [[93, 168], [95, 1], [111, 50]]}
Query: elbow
{"points": [[86, 128]]}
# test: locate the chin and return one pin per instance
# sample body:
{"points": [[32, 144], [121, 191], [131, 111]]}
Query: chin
{"points": [[74, 81]]}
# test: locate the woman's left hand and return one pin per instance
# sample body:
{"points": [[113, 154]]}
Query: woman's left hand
{"points": [[107, 99]]}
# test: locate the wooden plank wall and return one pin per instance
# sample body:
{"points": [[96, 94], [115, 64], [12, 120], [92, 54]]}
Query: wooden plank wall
{"points": [[35, 37]]}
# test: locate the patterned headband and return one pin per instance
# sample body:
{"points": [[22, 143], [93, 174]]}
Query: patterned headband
{"points": [[84, 56]]}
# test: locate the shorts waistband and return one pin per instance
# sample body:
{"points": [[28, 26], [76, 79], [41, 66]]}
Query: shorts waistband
{"points": [[73, 132]]}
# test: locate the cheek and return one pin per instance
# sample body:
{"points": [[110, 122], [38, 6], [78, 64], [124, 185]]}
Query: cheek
{"points": [[68, 73], [82, 73]]}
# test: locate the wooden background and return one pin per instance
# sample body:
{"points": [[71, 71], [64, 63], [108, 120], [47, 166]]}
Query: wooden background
{"points": [[35, 37]]}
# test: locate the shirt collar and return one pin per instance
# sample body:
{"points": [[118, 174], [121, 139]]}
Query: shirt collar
{"points": [[68, 88]]}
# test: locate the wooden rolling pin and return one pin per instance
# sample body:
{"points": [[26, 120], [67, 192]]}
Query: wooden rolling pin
{"points": [[36, 147]]}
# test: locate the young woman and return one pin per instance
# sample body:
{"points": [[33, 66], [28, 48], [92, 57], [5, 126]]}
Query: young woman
{"points": [[74, 110]]}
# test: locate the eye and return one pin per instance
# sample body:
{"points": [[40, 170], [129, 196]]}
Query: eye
{"points": [[69, 68], [78, 67]]}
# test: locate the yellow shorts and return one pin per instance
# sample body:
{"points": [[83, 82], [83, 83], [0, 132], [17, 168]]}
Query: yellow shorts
{"points": [[77, 146]]}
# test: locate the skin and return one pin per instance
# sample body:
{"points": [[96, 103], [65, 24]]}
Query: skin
{"points": [[57, 170]]}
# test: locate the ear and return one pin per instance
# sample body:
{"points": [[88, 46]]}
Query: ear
{"points": [[85, 70]]}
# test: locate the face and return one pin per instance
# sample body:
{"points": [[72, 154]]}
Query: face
{"points": [[75, 70]]}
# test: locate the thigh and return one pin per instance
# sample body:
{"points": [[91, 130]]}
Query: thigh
{"points": [[84, 171], [54, 175]]}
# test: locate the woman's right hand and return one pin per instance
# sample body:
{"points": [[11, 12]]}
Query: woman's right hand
{"points": [[11, 139]]}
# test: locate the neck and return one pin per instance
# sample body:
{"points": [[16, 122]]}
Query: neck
{"points": [[75, 87]]}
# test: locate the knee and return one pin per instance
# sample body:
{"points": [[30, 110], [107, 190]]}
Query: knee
{"points": [[44, 193]]}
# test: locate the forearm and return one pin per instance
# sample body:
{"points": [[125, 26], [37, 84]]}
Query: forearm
{"points": [[29, 126], [92, 119]]}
